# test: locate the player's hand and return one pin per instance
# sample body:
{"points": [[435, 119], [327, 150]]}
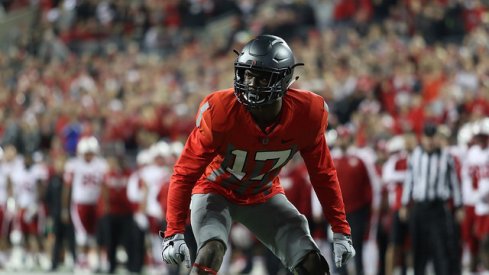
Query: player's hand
{"points": [[460, 215], [343, 249], [30, 213], [403, 214], [65, 216], [141, 220], [175, 250]]}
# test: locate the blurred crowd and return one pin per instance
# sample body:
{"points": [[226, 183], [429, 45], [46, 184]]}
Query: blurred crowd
{"points": [[132, 73]]}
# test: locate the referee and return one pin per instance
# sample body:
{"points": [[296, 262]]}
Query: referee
{"points": [[431, 182]]}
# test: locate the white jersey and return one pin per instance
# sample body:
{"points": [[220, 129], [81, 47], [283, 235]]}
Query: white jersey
{"points": [[473, 158], [25, 183], [393, 177], [6, 170], [480, 170], [153, 177], [3, 184], [86, 179], [11, 166]]}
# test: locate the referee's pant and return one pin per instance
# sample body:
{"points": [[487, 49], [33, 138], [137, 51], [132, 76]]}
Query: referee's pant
{"points": [[432, 236]]}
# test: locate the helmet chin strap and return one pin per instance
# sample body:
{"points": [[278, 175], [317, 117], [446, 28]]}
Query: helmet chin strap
{"points": [[295, 78], [292, 82]]}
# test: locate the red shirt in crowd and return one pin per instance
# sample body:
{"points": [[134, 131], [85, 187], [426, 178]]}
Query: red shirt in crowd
{"points": [[298, 189], [354, 181], [116, 184]]}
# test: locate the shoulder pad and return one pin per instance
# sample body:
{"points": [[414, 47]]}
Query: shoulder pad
{"points": [[213, 111]]}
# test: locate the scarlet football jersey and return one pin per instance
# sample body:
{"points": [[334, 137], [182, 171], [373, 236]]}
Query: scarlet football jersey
{"points": [[227, 153]]}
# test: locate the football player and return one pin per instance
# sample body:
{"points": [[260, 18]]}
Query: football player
{"points": [[29, 182], [228, 169], [153, 177], [84, 176]]}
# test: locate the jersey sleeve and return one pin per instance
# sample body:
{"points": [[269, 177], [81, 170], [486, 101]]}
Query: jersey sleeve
{"points": [[323, 174], [198, 152]]}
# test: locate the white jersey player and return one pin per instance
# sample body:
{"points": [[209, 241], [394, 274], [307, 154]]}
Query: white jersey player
{"points": [[28, 182], [476, 177], [84, 176], [134, 192], [3, 195], [153, 177]]}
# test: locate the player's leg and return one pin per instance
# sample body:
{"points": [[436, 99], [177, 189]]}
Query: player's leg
{"points": [[470, 238], [209, 258], [482, 229], [484, 251], [313, 264], [283, 230], [84, 219], [211, 223], [418, 228], [395, 258]]}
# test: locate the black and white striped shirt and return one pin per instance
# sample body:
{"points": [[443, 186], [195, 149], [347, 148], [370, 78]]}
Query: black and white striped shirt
{"points": [[431, 176]]}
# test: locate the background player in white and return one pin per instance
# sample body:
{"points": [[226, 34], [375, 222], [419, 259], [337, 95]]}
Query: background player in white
{"points": [[153, 177], [478, 171], [140, 225], [3, 209], [11, 160], [29, 183], [394, 175], [84, 176]]}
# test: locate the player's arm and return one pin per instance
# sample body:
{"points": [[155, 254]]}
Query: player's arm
{"points": [[143, 188], [454, 182], [323, 177], [10, 195], [40, 195], [198, 152], [390, 174], [41, 190], [42, 184], [10, 187]]}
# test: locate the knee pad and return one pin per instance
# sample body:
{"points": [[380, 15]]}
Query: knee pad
{"points": [[314, 264], [210, 256], [215, 246]]}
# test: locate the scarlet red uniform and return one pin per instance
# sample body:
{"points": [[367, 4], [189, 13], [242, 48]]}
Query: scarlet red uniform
{"points": [[228, 154]]}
